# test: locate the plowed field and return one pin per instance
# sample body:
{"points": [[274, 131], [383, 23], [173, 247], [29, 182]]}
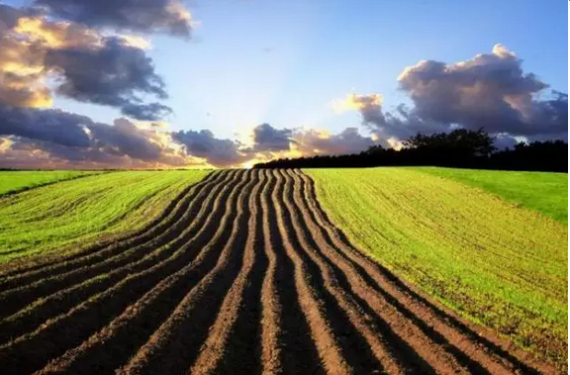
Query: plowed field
{"points": [[244, 274]]}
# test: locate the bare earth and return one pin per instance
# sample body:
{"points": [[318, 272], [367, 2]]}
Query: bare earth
{"points": [[243, 274]]}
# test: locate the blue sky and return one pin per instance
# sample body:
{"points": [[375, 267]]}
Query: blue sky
{"points": [[286, 63], [283, 61], [324, 49]]}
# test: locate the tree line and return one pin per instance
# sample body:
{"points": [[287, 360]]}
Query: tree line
{"points": [[460, 148]]}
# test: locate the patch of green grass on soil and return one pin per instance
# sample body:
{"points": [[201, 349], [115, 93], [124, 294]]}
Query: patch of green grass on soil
{"points": [[544, 192], [14, 181], [52, 217], [497, 264]]}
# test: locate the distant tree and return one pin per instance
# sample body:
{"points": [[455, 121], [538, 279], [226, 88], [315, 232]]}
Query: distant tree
{"points": [[460, 148], [468, 142], [548, 156]]}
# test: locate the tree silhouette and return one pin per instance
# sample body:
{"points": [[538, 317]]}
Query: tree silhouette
{"points": [[460, 148]]}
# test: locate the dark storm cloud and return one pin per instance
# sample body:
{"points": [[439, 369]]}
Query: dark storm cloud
{"points": [[168, 16], [218, 152], [114, 75], [267, 138]]}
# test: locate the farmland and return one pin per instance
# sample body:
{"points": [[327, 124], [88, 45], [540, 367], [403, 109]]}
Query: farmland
{"points": [[15, 181], [498, 264], [546, 193], [56, 216], [243, 273]]}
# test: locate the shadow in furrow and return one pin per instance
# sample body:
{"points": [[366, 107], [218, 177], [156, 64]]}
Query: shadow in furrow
{"points": [[116, 343], [232, 345], [48, 266], [480, 342], [331, 252], [176, 344], [298, 350], [397, 347], [71, 329], [15, 299], [354, 347], [29, 319]]}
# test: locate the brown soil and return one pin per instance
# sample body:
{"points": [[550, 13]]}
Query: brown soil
{"points": [[243, 274]]}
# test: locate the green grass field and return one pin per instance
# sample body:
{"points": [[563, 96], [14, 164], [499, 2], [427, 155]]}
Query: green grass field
{"points": [[544, 192], [496, 263], [55, 216], [14, 181]]}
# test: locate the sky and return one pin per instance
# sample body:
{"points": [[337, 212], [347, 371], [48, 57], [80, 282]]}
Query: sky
{"points": [[239, 81]]}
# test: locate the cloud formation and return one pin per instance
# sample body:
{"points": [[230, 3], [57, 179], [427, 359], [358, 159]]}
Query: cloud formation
{"points": [[490, 91], [370, 106], [113, 74], [217, 152], [268, 142], [21, 68], [67, 139], [64, 43], [74, 58], [267, 138], [87, 66], [312, 142], [165, 16], [42, 57]]}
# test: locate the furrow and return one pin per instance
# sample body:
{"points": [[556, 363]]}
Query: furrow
{"points": [[28, 319], [65, 263], [175, 345], [242, 273], [363, 348], [288, 347], [46, 266], [416, 350], [14, 299], [271, 306], [231, 343], [70, 329], [112, 347], [475, 351], [284, 344], [314, 309]]}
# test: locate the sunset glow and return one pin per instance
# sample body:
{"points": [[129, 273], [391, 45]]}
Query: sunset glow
{"points": [[173, 84]]}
